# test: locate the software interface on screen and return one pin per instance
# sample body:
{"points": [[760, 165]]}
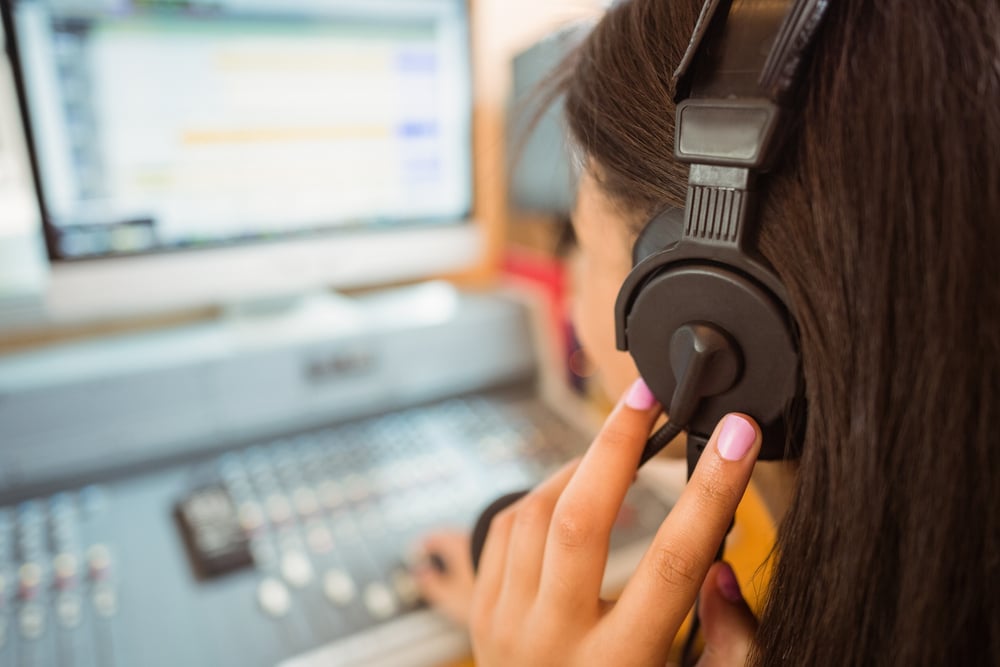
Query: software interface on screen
{"points": [[161, 125]]}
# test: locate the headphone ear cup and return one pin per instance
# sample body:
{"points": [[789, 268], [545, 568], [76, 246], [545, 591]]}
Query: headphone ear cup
{"points": [[678, 283], [662, 232], [750, 316]]}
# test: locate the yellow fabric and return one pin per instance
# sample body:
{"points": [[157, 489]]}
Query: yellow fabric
{"points": [[747, 549]]}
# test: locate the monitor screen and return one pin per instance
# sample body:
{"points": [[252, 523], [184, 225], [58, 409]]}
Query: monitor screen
{"points": [[162, 125]]}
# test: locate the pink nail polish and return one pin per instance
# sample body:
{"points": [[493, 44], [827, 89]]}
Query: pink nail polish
{"points": [[736, 438], [639, 396], [728, 586]]}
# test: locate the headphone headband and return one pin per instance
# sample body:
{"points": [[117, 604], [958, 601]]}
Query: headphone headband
{"points": [[738, 32], [740, 66]]}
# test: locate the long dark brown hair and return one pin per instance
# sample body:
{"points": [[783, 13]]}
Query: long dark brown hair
{"points": [[883, 223]]}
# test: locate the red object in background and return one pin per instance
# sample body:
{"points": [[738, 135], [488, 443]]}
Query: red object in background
{"points": [[548, 275]]}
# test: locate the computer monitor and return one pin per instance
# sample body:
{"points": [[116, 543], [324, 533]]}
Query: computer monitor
{"points": [[217, 151]]}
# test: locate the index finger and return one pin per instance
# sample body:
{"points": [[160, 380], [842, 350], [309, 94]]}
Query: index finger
{"points": [[671, 572], [576, 549]]}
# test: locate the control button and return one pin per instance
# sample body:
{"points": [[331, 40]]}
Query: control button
{"points": [[279, 511], [62, 505], [290, 540], [64, 569], [338, 587], [273, 597], [251, 518], [379, 601], [29, 513], [306, 503], [263, 552], [330, 494], [264, 481], [69, 610], [105, 600], [99, 562], [296, 569], [211, 540], [33, 555], [64, 535], [357, 487], [30, 578], [406, 587], [238, 488], [319, 538], [230, 467], [210, 526], [32, 621]]}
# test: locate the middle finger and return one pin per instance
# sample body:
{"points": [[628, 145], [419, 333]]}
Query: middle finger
{"points": [[532, 515]]}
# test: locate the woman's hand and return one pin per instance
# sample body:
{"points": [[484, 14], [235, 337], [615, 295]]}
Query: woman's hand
{"points": [[536, 600], [444, 574]]}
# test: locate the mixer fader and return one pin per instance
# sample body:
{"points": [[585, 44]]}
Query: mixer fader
{"points": [[57, 580]]}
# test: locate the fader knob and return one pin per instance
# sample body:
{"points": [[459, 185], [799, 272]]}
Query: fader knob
{"points": [[273, 597], [29, 579], [64, 570], [99, 562]]}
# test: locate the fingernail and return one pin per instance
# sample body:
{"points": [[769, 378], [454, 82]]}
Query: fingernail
{"points": [[639, 396], [438, 563], [422, 559], [736, 438], [728, 586]]}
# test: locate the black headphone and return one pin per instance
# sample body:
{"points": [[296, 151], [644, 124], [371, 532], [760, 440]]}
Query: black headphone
{"points": [[706, 319]]}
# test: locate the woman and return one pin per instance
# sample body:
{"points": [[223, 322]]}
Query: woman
{"points": [[882, 222]]}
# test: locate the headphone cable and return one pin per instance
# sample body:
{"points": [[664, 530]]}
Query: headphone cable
{"points": [[695, 446], [663, 436]]}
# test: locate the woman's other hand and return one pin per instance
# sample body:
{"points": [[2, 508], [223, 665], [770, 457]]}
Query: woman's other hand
{"points": [[444, 574]]}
